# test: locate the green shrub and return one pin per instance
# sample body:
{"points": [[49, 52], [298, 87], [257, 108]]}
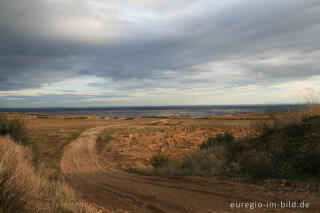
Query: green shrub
{"points": [[18, 132], [36, 156], [3, 124], [63, 210], [102, 141], [159, 160], [204, 163], [286, 153], [219, 140], [289, 152], [15, 128], [257, 165]]}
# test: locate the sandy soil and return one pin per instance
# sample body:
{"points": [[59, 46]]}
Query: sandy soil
{"points": [[114, 190]]}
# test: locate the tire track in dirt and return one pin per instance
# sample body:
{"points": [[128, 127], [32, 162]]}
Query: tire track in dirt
{"points": [[119, 191]]}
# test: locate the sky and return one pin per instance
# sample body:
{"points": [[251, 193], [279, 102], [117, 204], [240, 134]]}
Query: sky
{"points": [[85, 53]]}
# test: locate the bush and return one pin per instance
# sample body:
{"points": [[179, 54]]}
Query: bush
{"points": [[257, 165], [159, 160], [290, 152], [36, 156], [3, 124], [102, 141], [219, 140], [204, 163], [284, 153], [17, 130]]}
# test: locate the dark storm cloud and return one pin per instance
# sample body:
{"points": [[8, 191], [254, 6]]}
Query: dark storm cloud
{"points": [[33, 51]]}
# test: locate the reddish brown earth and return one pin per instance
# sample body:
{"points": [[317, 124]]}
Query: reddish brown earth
{"points": [[96, 174], [136, 146]]}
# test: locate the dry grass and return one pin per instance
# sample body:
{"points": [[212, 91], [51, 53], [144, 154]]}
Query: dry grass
{"points": [[291, 152], [16, 129], [24, 189], [312, 98], [284, 147], [53, 134]]}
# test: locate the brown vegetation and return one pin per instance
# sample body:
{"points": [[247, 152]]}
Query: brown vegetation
{"points": [[25, 189], [290, 152], [17, 130], [312, 98], [155, 146], [53, 133], [95, 174], [287, 147]]}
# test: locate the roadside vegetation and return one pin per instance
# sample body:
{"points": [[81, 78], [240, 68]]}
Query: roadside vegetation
{"points": [[16, 129], [286, 148], [24, 185]]}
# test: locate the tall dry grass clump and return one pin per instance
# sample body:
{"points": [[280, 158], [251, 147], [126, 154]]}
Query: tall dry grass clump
{"points": [[16, 129], [24, 189], [312, 98]]}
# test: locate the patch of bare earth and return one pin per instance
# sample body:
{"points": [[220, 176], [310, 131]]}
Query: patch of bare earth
{"points": [[136, 148]]}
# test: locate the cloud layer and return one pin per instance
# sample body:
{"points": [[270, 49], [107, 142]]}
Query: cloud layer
{"points": [[134, 48]]}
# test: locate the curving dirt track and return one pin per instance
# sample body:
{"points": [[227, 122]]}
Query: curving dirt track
{"points": [[117, 191]]}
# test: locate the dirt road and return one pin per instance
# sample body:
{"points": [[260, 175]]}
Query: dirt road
{"points": [[117, 191]]}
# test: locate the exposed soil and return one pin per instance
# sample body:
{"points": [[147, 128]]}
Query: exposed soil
{"points": [[96, 173], [136, 146]]}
